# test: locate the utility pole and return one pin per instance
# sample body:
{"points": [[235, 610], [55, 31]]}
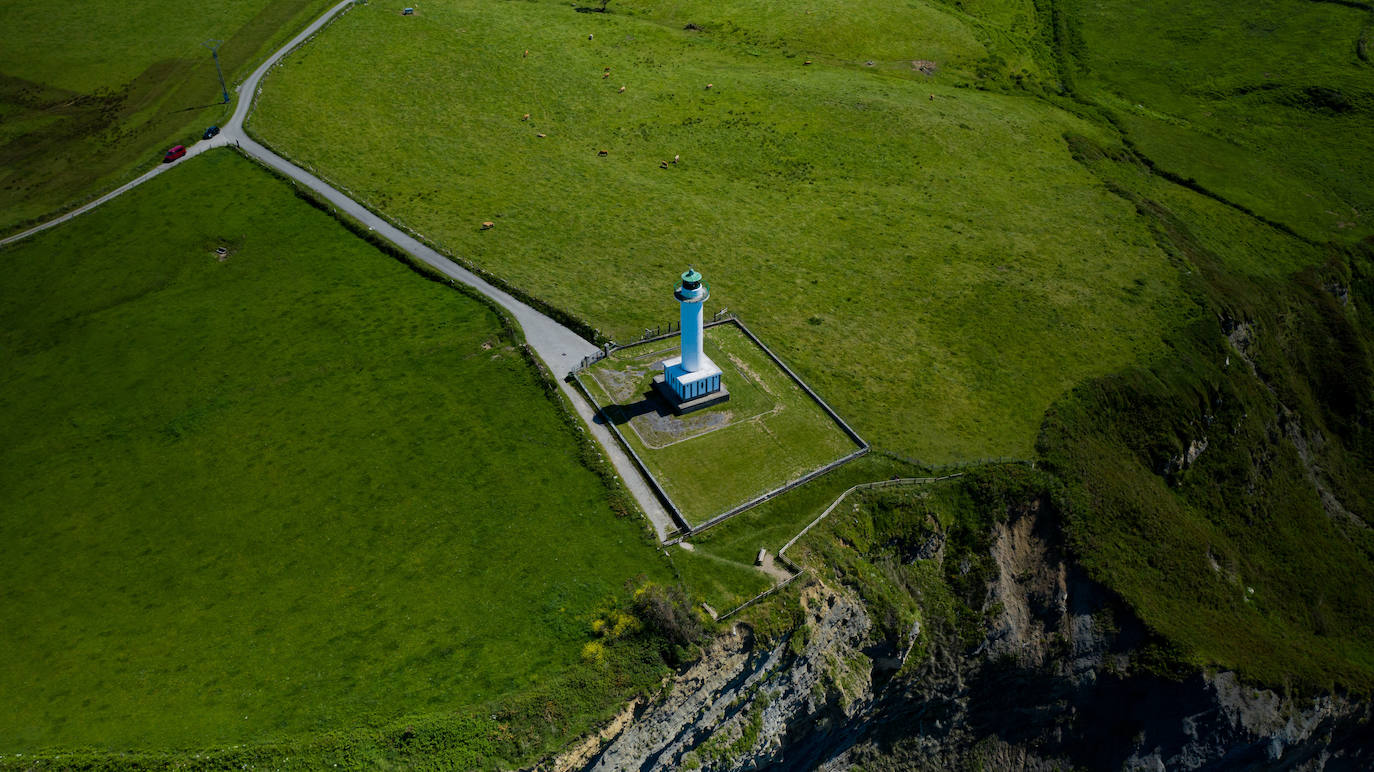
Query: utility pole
{"points": [[214, 45]]}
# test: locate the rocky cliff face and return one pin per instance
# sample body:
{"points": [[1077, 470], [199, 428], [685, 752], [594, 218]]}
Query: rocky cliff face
{"points": [[1057, 682]]}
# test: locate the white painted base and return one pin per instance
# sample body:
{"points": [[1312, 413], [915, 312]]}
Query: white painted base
{"points": [[691, 385]]}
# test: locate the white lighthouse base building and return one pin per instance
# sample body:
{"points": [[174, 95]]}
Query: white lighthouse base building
{"points": [[688, 391], [690, 385]]}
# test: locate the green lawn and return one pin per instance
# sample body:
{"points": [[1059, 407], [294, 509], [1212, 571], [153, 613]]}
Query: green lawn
{"points": [[92, 92], [303, 495], [297, 490], [768, 433], [1270, 108], [940, 269]]}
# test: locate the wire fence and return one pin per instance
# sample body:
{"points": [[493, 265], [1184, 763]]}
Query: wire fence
{"points": [[798, 570], [754, 502], [653, 334], [662, 495]]}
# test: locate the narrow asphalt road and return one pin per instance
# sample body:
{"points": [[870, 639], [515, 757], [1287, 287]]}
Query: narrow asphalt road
{"points": [[560, 348]]}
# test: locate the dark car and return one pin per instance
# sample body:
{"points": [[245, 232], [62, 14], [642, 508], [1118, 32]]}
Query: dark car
{"points": [[176, 152], [210, 132]]}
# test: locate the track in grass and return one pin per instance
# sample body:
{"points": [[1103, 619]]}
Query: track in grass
{"points": [[1270, 109]]}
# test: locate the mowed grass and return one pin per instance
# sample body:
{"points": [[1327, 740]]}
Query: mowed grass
{"points": [[92, 92], [1270, 108], [767, 434], [302, 489], [940, 269]]}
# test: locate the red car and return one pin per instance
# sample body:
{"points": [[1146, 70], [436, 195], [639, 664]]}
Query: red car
{"points": [[176, 152]]}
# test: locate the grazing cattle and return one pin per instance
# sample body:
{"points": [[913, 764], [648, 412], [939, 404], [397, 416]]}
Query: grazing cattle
{"points": [[603, 152], [675, 158], [621, 91], [488, 225], [526, 117]]}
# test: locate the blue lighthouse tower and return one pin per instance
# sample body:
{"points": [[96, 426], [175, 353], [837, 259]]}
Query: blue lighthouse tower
{"points": [[691, 380]]}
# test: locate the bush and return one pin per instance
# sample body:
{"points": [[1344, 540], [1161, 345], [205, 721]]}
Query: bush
{"points": [[667, 612], [594, 653]]}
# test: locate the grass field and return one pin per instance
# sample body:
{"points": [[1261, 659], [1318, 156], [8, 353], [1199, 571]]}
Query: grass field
{"points": [[304, 497], [1270, 108], [773, 523], [1243, 559], [940, 269], [767, 434], [301, 489], [91, 92]]}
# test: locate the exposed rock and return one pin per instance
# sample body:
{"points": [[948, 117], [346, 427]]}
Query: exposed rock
{"points": [[1051, 686], [1182, 461], [1241, 335], [738, 705], [1028, 596], [1338, 291]]}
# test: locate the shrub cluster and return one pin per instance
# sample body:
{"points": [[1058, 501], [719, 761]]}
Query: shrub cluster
{"points": [[667, 614]]}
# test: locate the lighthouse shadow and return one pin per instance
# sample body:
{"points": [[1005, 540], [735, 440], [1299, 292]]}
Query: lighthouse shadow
{"points": [[650, 403]]}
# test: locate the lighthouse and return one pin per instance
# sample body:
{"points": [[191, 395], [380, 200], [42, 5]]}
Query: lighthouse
{"points": [[691, 380]]}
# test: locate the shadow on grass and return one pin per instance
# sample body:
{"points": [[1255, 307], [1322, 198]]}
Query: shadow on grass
{"points": [[650, 402], [215, 103]]}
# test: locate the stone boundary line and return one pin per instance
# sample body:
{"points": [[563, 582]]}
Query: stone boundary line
{"points": [[965, 464]]}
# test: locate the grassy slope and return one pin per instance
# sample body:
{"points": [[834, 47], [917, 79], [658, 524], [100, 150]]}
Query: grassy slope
{"points": [[940, 270], [1245, 559], [91, 92], [780, 434], [1270, 108], [1284, 146], [299, 490], [1186, 547], [872, 542], [773, 523]]}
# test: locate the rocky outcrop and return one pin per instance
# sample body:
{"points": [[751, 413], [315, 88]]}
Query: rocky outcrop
{"points": [[1054, 684], [743, 706]]}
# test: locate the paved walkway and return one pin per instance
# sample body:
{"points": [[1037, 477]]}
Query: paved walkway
{"points": [[560, 348]]}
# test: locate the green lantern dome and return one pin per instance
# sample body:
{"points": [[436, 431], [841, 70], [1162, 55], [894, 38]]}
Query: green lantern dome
{"points": [[692, 289]]}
